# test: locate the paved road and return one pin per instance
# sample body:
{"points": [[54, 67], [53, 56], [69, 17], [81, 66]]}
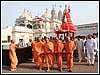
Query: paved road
{"points": [[30, 68]]}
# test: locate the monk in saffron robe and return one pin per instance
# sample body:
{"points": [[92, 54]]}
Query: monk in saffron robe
{"points": [[55, 48], [49, 50], [13, 56], [39, 50], [69, 46], [33, 49], [59, 54], [54, 41]]}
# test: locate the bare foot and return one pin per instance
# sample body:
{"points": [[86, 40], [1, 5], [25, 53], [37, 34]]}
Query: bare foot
{"points": [[61, 69], [40, 68], [13, 69], [79, 61], [32, 60], [48, 70]]}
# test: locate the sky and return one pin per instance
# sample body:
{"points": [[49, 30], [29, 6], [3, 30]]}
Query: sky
{"points": [[82, 12]]}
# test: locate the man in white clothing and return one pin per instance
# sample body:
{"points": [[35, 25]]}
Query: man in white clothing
{"points": [[90, 47], [80, 48], [96, 40], [84, 41]]}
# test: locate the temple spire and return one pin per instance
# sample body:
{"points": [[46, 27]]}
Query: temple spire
{"points": [[24, 10], [65, 7], [60, 7], [54, 6], [60, 13], [46, 10]]}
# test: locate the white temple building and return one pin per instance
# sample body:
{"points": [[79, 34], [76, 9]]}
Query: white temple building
{"points": [[26, 27]]}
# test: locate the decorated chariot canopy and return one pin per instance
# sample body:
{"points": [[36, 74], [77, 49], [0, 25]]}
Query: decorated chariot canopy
{"points": [[67, 25]]}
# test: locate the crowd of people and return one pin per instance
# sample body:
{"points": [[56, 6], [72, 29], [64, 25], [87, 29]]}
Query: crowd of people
{"points": [[50, 50]]}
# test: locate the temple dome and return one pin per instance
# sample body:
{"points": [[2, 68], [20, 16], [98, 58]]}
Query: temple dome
{"points": [[46, 15], [27, 15]]}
